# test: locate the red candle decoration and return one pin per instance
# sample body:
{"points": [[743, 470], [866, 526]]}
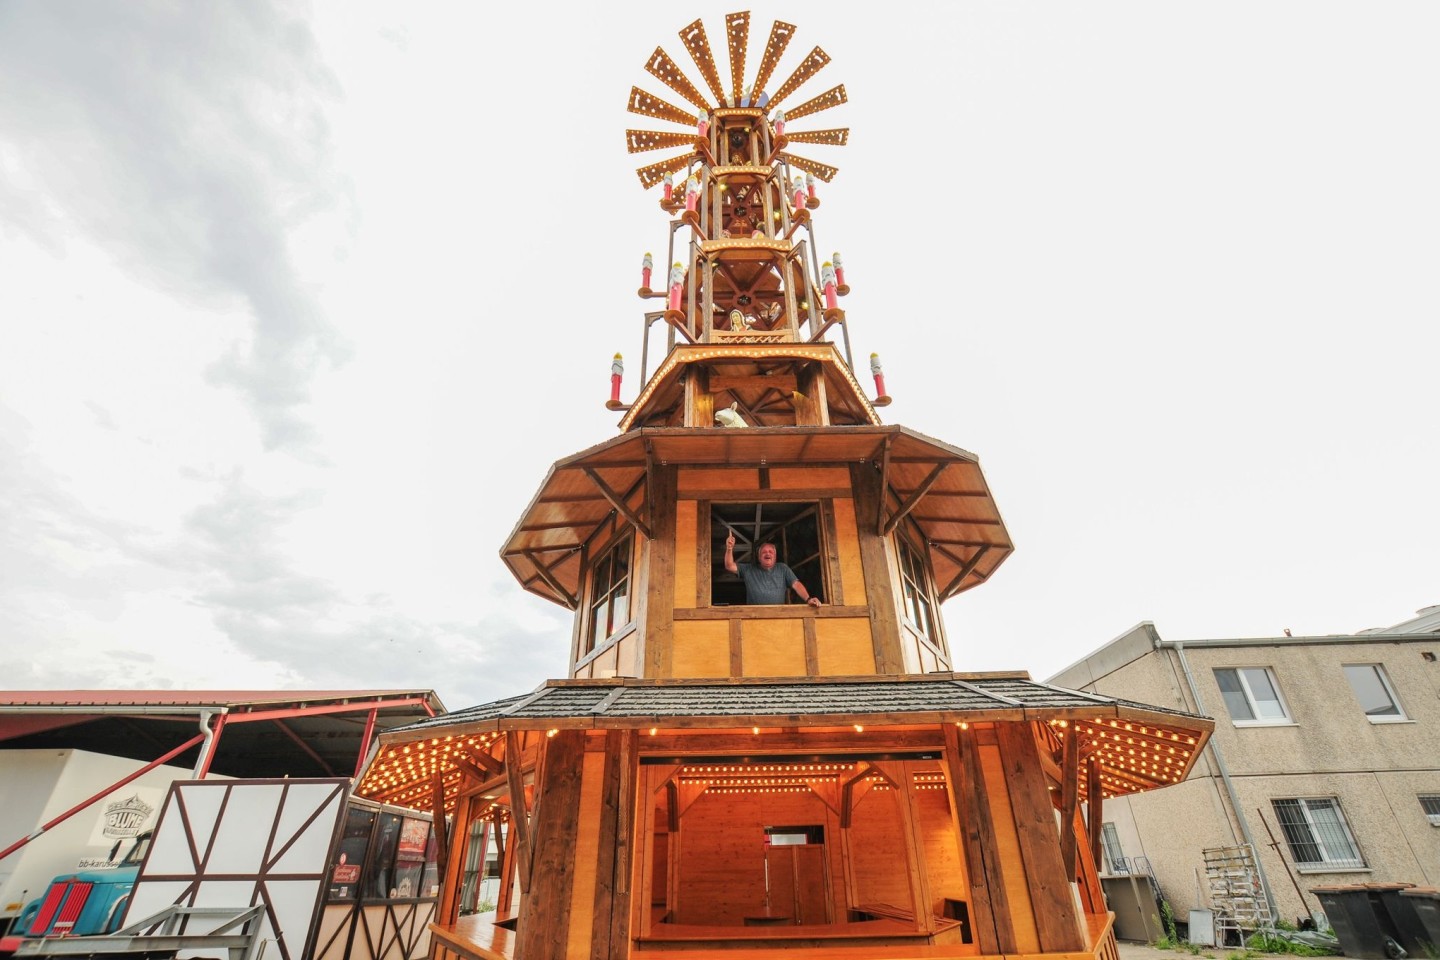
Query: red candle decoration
{"points": [[798, 191], [703, 127], [879, 374], [692, 194], [617, 370], [645, 267], [810, 185], [677, 284], [779, 123], [827, 283], [669, 183], [839, 268]]}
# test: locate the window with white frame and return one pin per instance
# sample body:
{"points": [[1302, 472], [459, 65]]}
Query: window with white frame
{"points": [[1372, 688], [1316, 832], [1430, 803], [1251, 695]]}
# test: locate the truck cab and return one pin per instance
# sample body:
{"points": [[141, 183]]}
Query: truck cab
{"points": [[81, 903]]}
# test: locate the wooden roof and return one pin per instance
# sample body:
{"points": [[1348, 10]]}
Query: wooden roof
{"points": [[741, 370], [1137, 745], [938, 487]]}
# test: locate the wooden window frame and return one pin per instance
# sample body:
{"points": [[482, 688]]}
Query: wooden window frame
{"points": [[823, 523], [588, 644]]}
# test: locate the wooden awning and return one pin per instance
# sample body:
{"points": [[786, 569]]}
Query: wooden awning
{"points": [[1136, 746], [939, 488]]}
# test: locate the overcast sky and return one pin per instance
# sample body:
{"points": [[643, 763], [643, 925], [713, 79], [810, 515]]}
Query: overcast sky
{"points": [[299, 303]]}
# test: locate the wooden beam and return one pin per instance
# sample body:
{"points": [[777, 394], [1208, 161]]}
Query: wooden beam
{"points": [[1057, 925], [437, 813], [657, 632], [914, 499], [448, 908], [884, 472], [543, 572], [519, 813], [1069, 799], [1094, 807], [988, 902], [964, 572], [543, 930], [619, 503], [875, 566]]}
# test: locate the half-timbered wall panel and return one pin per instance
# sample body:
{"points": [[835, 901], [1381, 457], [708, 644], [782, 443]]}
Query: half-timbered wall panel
{"points": [[844, 647], [694, 480], [773, 648], [848, 546], [702, 649], [808, 478], [687, 553]]}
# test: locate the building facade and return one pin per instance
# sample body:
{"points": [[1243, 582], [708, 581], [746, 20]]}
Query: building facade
{"points": [[1325, 758]]}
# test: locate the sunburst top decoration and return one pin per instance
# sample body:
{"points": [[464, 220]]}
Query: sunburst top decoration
{"points": [[753, 95]]}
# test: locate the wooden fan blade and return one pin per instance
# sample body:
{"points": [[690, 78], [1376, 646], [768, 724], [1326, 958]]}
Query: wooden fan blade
{"points": [[668, 72], [653, 174], [822, 170], [830, 98], [649, 105], [698, 45], [810, 66], [638, 141], [737, 33], [833, 138], [780, 36]]}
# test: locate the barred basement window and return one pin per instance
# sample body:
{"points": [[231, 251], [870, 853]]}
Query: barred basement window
{"points": [[1430, 803], [1316, 832]]}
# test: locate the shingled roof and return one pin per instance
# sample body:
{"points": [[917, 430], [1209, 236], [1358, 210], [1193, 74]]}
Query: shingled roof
{"points": [[933, 698]]}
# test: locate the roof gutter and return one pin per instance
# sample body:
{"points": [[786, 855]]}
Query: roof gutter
{"points": [[1214, 747]]}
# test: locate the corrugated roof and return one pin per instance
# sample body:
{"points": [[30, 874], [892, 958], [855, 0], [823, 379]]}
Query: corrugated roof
{"points": [[192, 698]]}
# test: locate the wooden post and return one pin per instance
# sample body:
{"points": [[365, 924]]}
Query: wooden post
{"points": [[1069, 799], [1094, 807], [874, 561], [988, 904], [437, 813], [519, 810], [1056, 923], [660, 589], [448, 909], [544, 926]]}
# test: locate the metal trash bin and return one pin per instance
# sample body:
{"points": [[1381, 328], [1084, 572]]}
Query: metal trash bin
{"points": [[1404, 921], [1425, 903], [1361, 929]]}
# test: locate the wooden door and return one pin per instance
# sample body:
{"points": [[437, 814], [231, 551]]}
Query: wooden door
{"points": [[799, 882]]}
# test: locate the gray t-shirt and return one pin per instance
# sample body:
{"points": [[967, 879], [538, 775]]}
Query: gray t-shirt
{"points": [[766, 586]]}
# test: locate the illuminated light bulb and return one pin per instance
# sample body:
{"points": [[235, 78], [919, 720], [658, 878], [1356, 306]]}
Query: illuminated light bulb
{"points": [[551, 732], [755, 730], [859, 728]]}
